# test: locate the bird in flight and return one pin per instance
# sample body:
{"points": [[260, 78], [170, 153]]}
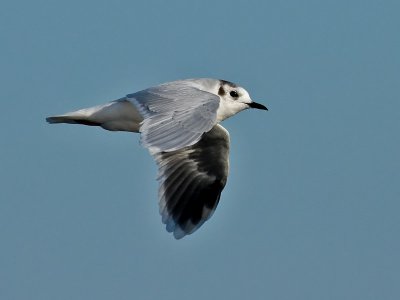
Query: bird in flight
{"points": [[178, 123]]}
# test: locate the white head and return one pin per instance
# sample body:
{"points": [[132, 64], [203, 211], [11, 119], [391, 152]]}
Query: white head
{"points": [[233, 100]]}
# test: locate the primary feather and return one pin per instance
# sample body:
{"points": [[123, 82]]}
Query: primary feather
{"points": [[191, 181]]}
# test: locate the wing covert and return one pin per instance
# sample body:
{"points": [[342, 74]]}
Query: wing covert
{"points": [[176, 114]]}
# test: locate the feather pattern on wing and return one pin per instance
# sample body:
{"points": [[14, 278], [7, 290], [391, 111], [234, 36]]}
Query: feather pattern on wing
{"points": [[191, 181], [176, 114]]}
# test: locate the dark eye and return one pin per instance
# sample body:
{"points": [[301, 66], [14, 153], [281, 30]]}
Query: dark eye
{"points": [[234, 94]]}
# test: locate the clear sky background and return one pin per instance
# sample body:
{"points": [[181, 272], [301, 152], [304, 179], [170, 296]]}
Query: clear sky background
{"points": [[311, 208]]}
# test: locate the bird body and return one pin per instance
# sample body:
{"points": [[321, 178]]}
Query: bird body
{"points": [[178, 124]]}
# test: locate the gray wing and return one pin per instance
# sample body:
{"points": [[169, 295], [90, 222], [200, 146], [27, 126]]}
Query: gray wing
{"points": [[191, 181], [176, 114]]}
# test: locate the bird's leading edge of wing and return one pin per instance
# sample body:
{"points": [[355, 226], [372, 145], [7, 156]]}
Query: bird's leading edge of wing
{"points": [[176, 114]]}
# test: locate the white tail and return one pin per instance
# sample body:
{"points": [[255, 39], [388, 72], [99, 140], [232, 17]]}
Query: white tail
{"points": [[118, 115]]}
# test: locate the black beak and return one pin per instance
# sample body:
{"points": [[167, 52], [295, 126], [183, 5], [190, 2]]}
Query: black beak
{"points": [[257, 105]]}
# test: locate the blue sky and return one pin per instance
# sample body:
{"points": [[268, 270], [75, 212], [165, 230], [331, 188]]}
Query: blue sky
{"points": [[310, 210]]}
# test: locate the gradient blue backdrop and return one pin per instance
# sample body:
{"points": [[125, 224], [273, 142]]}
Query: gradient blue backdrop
{"points": [[311, 208]]}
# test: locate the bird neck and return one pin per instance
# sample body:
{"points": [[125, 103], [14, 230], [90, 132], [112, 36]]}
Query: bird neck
{"points": [[227, 109]]}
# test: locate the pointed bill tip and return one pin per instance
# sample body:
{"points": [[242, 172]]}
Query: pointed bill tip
{"points": [[257, 105]]}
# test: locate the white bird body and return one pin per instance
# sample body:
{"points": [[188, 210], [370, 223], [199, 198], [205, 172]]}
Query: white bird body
{"points": [[178, 122]]}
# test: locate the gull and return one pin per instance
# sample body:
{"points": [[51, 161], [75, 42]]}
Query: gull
{"points": [[178, 123]]}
